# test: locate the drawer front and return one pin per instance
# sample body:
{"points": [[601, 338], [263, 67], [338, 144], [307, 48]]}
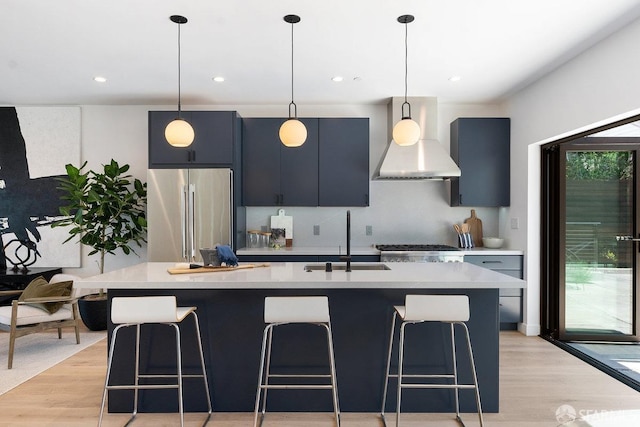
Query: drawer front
{"points": [[510, 309], [496, 262]]}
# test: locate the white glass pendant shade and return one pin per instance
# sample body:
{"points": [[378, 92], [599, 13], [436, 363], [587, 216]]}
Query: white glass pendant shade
{"points": [[406, 132], [293, 133], [179, 133]]}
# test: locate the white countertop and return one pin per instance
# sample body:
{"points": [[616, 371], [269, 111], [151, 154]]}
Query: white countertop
{"points": [[292, 275], [361, 250], [309, 250]]}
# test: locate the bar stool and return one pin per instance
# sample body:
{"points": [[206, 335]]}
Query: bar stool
{"points": [[285, 310], [136, 311], [452, 309]]}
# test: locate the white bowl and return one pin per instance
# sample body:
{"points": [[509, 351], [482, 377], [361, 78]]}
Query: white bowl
{"points": [[492, 242]]}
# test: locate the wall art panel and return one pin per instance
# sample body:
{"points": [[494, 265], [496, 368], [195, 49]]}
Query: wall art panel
{"points": [[35, 145]]}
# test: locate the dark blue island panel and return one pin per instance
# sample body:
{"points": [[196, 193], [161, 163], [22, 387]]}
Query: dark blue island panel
{"points": [[232, 325]]}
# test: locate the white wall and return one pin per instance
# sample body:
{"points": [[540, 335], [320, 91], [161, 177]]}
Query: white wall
{"points": [[400, 212], [120, 133], [598, 86]]}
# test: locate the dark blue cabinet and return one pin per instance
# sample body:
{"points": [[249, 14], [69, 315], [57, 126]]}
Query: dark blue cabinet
{"points": [[274, 174], [344, 162], [216, 138], [481, 148], [330, 169]]}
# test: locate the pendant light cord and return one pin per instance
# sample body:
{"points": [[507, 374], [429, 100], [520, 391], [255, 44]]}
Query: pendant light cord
{"points": [[295, 108], [405, 19], [179, 76], [406, 55]]}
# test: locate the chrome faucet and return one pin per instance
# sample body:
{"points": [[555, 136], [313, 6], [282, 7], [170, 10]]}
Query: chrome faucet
{"points": [[347, 258]]}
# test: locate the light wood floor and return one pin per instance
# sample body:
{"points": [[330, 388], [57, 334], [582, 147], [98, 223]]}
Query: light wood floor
{"points": [[536, 379]]}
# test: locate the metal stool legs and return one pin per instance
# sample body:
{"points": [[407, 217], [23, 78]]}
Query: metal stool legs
{"points": [[265, 375], [456, 386], [136, 386]]}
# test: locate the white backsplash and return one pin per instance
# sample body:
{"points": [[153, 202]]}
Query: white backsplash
{"points": [[400, 212]]}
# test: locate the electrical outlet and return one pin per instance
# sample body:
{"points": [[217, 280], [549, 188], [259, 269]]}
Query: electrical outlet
{"points": [[515, 223], [369, 230], [316, 230]]}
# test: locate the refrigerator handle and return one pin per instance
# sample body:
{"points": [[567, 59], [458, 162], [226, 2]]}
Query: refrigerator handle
{"points": [[183, 221], [192, 223]]}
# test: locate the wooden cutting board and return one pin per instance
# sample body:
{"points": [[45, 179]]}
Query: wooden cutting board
{"points": [[475, 228], [283, 221], [212, 269]]}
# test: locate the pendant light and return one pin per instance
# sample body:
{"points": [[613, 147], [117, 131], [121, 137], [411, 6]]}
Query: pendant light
{"points": [[292, 133], [406, 131], [179, 132]]}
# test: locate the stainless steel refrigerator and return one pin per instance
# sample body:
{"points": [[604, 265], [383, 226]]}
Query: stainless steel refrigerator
{"points": [[188, 209]]}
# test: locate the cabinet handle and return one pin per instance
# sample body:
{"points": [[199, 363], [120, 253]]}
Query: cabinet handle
{"points": [[366, 199], [193, 155], [282, 199], [277, 199], [492, 262], [460, 199]]}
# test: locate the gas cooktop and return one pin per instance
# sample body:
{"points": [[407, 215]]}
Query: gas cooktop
{"points": [[416, 247]]}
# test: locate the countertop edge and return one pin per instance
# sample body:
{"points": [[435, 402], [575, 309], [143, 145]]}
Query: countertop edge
{"points": [[293, 275], [361, 250]]}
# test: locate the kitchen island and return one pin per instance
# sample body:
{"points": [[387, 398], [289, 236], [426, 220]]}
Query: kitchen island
{"points": [[230, 306]]}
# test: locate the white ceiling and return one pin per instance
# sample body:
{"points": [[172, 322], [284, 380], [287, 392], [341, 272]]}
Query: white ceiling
{"points": [[51, 50]]}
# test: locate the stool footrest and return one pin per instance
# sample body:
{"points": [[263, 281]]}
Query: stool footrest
{"points": [[296, 386], [299, 376], [463, 386], [169, 376], [141, 386], [423, 376]]}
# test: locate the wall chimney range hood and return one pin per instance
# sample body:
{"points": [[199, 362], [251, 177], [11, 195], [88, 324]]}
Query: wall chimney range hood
{"points": [[427, 159]]}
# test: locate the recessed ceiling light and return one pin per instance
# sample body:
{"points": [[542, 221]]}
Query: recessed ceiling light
{"points": [[218, 79], [357, 79], [337, 78], [455, 79], [100, 79]]}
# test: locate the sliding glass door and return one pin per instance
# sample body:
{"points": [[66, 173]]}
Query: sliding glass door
{"points": [[598, 241]]}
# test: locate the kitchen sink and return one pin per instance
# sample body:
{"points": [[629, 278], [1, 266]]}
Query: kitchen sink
{"points": [[342, 267]]}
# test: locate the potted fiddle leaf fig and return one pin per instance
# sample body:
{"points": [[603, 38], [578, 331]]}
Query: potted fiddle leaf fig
{"points": [[106, 211]]}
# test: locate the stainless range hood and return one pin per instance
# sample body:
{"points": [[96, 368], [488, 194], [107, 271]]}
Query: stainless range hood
{"points": [[427, 159]]}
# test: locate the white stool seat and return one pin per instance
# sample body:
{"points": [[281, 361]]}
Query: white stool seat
{"points": [[296, 310], [452, 309], [137, 311], [285, 310], [160, 309], [434, 308]]}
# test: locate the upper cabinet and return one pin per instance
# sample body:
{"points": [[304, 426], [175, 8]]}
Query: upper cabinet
{"points": [[217, 136], [481, 148], [330, 169], [344, 162], [275, 174]]}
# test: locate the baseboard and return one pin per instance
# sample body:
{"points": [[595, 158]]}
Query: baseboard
{"points": [[528, 329]]}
